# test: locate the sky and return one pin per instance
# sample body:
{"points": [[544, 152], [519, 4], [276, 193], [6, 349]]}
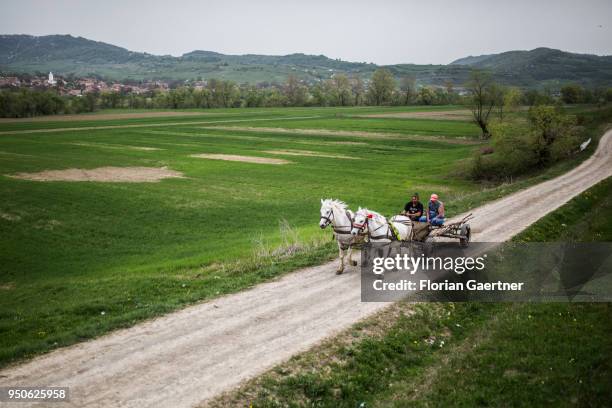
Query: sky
{"points": [[381, 31]]}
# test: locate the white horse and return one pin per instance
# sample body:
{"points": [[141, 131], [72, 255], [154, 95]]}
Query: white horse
{"points": [[336, 213], [379, 229]]}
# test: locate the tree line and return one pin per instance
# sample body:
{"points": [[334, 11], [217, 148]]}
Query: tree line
{"points": [[341, 90]]}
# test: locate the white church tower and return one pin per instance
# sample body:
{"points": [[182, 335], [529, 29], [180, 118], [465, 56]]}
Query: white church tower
{"points": [[51, 80]]}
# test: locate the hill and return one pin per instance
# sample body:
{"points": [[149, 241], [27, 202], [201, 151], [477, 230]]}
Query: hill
{"points": [[66, 54], [544, 65]]}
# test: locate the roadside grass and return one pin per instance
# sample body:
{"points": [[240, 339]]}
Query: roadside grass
{"points": [[462, 354], [526, 355], [71, 251], [358, 367], [586, 218]]}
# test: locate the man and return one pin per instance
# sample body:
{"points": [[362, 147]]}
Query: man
{"points": [[435, 211], [413, 209]]}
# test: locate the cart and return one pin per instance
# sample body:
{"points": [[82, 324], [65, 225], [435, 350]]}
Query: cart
{"points": [[460, 230]]}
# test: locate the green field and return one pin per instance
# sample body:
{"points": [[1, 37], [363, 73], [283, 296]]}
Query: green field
{"points": [[80, 258]]}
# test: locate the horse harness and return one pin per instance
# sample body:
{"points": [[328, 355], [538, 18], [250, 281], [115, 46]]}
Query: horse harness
{"points": [[329, 218], [391, 232]]}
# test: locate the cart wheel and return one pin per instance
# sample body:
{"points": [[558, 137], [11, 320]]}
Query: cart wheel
{"points": [[466, 231]]}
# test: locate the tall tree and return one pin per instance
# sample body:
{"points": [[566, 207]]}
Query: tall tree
{"points": [[426, 95], [512, 99], [358, 89], [295, 92], [482, 100], [572, 93], [382, 85], [554, 133], [408, 88], [342, 89]]}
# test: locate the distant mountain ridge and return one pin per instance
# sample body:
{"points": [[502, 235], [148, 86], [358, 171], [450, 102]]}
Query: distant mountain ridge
{"points": [[542, 64], [65, 54], [515, 59]]}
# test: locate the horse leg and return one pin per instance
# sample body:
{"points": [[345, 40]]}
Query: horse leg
{"points": [[341, 253], [350, 255]]}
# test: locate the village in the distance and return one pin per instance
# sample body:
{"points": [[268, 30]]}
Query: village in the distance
{"points": [[76, 86]]}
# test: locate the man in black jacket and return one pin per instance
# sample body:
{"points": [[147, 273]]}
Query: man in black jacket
{"points": [[413, 208]]}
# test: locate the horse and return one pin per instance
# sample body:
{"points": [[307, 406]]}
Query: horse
{"points": [[379, 229], [336, 213]]}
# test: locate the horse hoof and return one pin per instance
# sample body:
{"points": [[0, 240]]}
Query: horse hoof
{"points": [[339, 271], [354, 263]]}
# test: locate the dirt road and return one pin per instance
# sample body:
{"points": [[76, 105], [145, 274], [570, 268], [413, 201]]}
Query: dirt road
{"points": [[186, 357]]}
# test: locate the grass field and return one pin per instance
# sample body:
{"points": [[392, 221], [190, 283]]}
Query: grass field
{"points": [[80, 258], [463, 354]]}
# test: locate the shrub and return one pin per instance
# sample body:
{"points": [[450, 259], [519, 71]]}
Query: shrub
{"points": [[554, 134], [517, 147]]}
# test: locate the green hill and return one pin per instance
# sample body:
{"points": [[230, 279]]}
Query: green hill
{"points": [[544, 65], [65, 54]]}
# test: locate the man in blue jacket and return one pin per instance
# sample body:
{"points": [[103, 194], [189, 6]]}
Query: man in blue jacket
{"points": [[435, 211]]}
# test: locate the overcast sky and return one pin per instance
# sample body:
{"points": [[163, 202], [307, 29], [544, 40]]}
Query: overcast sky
{"points": [[382, 31]]}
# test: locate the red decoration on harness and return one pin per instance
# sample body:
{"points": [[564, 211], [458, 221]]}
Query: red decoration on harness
{"points": [[370, 216]]}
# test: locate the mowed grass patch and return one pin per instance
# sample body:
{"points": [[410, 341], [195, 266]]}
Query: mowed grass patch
{"points": [[329, 133], [208, 115], [241, 159], [102, 174], [379, 125], [454, 114]]}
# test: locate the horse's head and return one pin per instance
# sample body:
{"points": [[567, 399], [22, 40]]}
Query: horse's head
{"points": [[327, 213], [360, 225]]}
